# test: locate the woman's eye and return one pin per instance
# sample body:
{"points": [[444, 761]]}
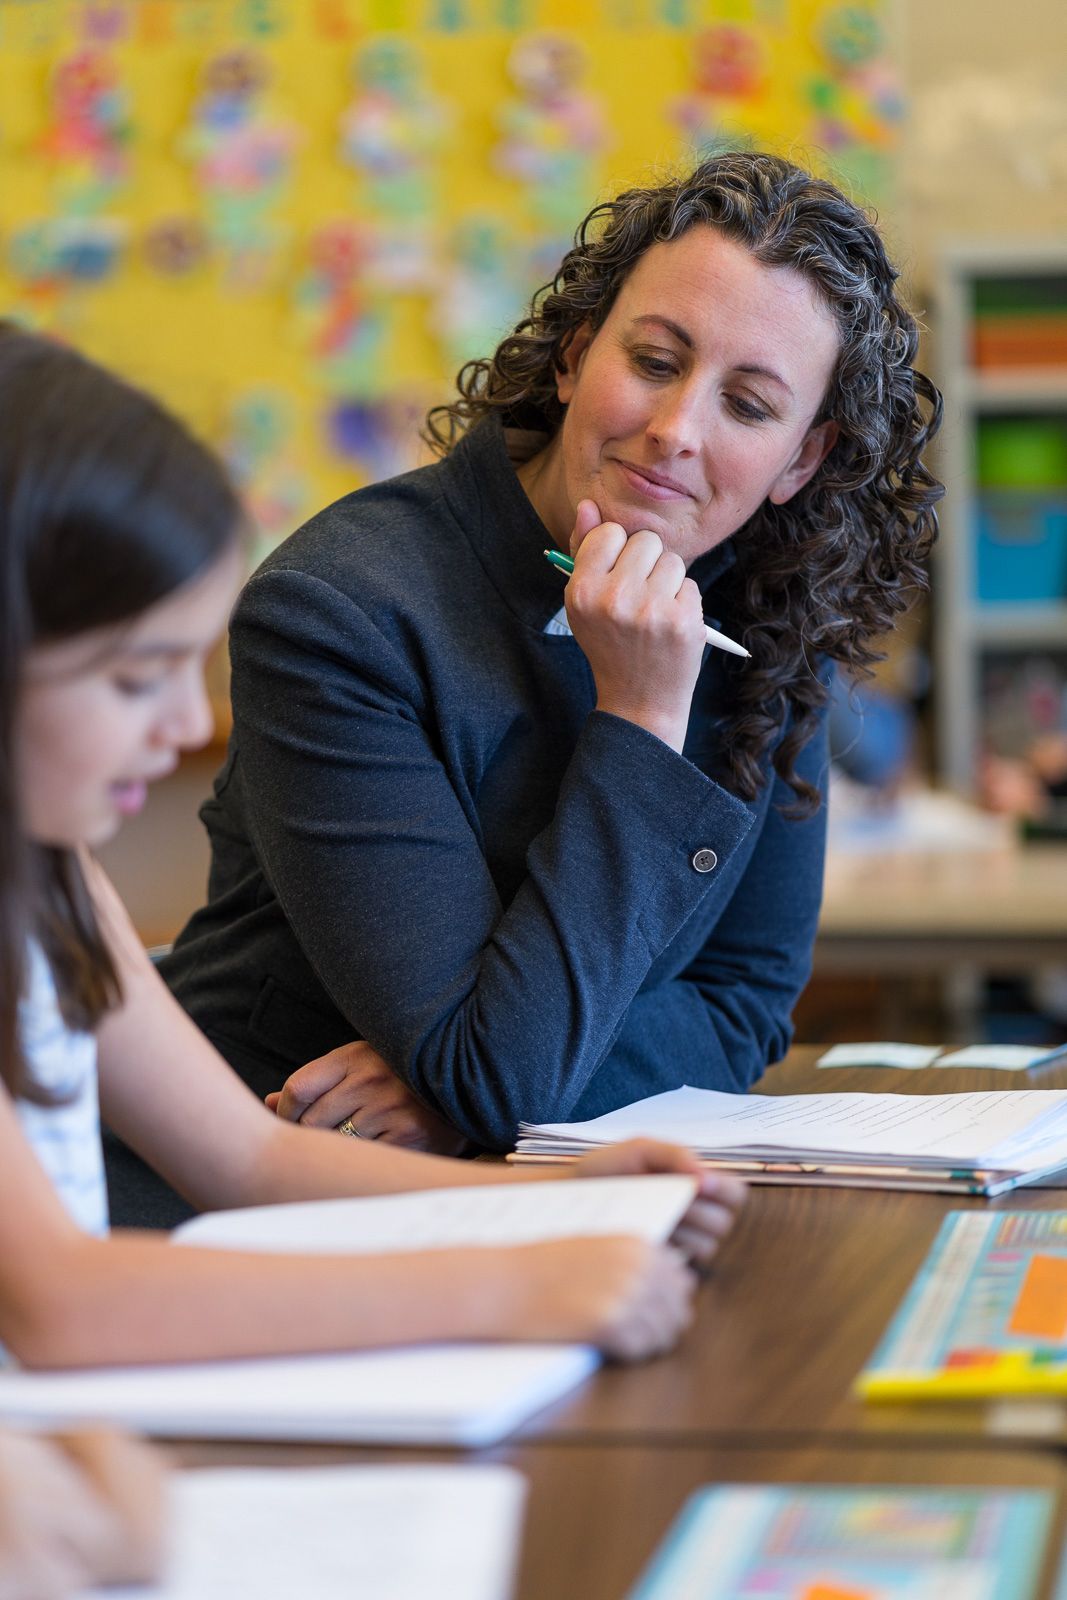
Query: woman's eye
{"points": [[654, 366], [748, 409]]}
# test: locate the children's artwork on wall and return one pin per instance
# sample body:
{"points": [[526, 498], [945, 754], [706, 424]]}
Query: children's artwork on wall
{"points": [[482, 280], [259, 452], [552, 129], [295, 219], [242, 150], [342, 314]]}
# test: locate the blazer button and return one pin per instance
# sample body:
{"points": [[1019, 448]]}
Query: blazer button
{"points": [[705, 860]]}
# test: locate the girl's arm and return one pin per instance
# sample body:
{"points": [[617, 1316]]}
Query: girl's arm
{"points": [[67, 1299], [167, 1092]]}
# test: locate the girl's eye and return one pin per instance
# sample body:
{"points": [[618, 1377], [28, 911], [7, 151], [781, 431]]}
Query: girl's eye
{"points": [[135, 688], [748, 409]]}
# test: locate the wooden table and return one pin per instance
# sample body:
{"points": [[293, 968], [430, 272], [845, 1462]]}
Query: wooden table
{"points": [[596, 1513], [760, 1389], [799, 1298]]}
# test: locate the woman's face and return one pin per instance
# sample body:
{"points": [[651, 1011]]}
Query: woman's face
{"points": [[696, 399], [102, 715]]}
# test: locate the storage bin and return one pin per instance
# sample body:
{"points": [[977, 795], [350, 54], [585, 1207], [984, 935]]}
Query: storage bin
{"points": [[1021, 549], [1022, 453]]}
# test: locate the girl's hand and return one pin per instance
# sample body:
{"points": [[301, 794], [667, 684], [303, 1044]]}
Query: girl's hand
{"points": [[355, 1081], [639, 620], [631, 1299], [711, 1215], [77, 1511]]}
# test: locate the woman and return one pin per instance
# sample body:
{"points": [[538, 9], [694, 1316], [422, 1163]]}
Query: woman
{"points": [[545, 866]]}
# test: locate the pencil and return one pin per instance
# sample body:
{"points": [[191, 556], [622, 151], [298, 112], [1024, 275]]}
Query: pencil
{"points": [[719, 640]]}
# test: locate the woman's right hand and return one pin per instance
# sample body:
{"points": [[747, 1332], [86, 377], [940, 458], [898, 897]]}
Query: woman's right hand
{"points": [[640, 622], [630, 1298]]}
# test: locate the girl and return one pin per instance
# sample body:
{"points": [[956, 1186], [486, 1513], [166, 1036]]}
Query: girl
{"points": [[120, 559], [580, 856]]}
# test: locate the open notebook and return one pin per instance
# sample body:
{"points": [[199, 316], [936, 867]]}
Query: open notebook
{"points": [[456, 1394], [404, 1531]]}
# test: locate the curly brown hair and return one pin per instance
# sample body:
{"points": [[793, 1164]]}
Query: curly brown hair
{"points": [[828, 572]]}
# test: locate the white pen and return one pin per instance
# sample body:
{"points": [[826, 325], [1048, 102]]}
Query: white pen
{"points": [[719, 640]]}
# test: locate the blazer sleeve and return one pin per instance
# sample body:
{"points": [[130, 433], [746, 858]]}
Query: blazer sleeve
{"points": [[491, 1014], [729, 1014]]}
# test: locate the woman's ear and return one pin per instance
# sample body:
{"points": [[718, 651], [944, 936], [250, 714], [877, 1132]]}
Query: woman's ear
{"points": [[572, 354], [818, 442]]}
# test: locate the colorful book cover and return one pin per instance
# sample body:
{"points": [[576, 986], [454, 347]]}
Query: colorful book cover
{"points": [[791, 1542], [986, 1315]]}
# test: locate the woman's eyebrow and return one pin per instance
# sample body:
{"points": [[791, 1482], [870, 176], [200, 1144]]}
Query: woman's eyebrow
{"points": [[764, 372], [671, 327], [750, 367]]}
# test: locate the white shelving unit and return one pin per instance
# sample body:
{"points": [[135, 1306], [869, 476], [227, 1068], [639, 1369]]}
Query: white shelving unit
{"points": [[968, 628]]}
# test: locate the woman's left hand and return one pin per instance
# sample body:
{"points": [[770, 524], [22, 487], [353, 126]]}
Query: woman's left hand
{"points": [[713, 1211], [354, 1082]]}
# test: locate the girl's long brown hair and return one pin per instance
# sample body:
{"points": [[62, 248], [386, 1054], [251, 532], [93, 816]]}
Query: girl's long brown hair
{"points": [[107, 505], [827, 573]]}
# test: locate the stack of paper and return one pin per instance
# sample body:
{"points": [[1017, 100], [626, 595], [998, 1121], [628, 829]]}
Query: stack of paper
{"points": [[956, 1143], [799, 1542], [461, 1394], [336, 1532], [986, 1315]]}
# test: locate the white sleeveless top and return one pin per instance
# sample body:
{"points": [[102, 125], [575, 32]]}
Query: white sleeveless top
{"points": [[65, 1136]]}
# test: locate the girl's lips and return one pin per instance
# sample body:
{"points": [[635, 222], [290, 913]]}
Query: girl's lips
{"points": [[650, 487], [129, 797]]}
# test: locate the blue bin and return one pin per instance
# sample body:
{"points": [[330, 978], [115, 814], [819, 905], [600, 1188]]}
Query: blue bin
{"points": [[1021, 547]]}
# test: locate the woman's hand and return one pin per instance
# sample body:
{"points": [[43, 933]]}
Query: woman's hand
{"points": [[630, 1298], [355, 1082], [639, 620], [711, 1215], [76, 1511]]}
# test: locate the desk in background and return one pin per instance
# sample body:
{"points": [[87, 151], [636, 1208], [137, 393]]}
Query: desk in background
{"points": [[926, 928], [915, 912]]}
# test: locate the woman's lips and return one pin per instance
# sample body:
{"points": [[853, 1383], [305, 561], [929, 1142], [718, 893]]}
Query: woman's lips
{"points": [[652, 488]]}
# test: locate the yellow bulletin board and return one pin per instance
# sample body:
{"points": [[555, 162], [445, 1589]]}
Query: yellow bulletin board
{"points": [[293, 219]]}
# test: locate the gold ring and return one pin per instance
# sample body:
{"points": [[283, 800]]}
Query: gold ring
{"points": [[349, 1129]]}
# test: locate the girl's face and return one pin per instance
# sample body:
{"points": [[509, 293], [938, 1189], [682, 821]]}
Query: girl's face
{"points": [[103, 714], [696, 399]]}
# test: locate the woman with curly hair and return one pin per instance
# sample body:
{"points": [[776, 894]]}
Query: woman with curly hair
{"points": [[492, 861]]}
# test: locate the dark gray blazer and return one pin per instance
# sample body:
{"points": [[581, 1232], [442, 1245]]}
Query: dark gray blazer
{"points": [[425, 836]]}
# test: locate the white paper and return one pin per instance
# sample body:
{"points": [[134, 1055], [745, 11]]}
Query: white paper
{"points": [[1003, 1057], [490, 1214], [453, 1394], [467, 1395], [879, 1055], [979, 1129], [337, 1533]]}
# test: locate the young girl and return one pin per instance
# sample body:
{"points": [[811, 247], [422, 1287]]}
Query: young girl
{"points": [[120, 559]]}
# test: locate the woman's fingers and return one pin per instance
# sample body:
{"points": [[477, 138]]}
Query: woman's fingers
{"points": [[308, 1084]]}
